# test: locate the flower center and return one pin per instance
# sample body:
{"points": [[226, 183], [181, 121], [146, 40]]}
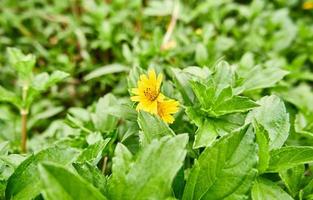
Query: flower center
{"points": [[151, 94]]}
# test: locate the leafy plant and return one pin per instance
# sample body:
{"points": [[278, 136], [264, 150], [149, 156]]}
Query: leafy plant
{"points": [[191, 100]]}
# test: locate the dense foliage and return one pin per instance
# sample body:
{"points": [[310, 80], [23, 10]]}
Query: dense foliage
{"points": [[230, 116]]}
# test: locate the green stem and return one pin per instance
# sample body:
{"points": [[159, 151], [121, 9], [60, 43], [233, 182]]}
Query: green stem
{"points": [[24, 113]]}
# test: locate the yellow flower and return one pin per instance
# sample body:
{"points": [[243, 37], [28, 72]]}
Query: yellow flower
{"points": [[151, 99], [166, 108], [148, 92], [308, 5]]}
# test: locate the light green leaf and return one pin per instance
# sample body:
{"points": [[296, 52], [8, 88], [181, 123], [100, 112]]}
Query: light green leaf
{"points": [[277, 125], [93, 175], [151, 173], [224, 170], [43, 81], [10, 97], [133, 77], [182, 82], [59, 183], [206, 134], [152, 127], [289, 157], [264, 189], [107, 69], [223, 76], [93, 153], [201, 54], [293, 178], [263, 146], [103, 120], [24, 183], [235, 104], [260, 77], [23, 64]]}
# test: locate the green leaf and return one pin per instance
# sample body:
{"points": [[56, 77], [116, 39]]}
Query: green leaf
{"points": [[204, 94], [133, 77], [43, 81], [307, 191], [201, 54], [10, 97], [293, 178], [206, 134], [24, 183], [263, 146], [273, 117], [152, 127], [289, 157], [301, 96], [260, 77], [23, 64], [93, 153], [223, 76], [235, 104], [182, 83], [264, 189], [93, 175], [209, 128], [224, 170], [59, 183], [151, 173], [103, 120], [107, 69]]}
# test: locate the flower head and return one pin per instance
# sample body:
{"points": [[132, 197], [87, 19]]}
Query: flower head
{"points": [[147, 92], [166, 108], [308, 5], [151, 99]]}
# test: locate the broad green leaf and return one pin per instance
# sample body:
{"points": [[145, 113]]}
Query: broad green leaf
{"points": [[60, 183], [224, 170], [235, 104], [152, 127], [223, 76], [209, 128], [264, 189], [182, 83], [301, 96], [205, 94], [150, 174], [122, 111], [273, 117], [23, 64], [93, 175], [107, 69], [205, 135], [10, 97], [103, 120], [289, 157], [260, 77], [292, 178], [201, 54], [43, 81], [24, 183], [93, 153]]}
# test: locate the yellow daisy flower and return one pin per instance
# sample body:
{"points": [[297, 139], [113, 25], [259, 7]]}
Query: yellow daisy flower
{"points": [[148, 93], [308, 5], [166, 108]]}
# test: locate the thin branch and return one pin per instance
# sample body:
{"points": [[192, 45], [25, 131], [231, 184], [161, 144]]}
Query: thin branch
{"points": [[171, 26]]}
